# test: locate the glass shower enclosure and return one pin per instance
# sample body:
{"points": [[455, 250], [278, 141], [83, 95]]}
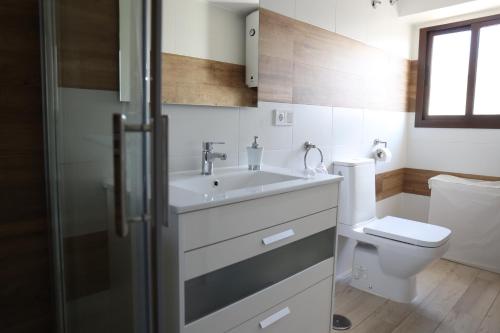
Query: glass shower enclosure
{"points": [[106, 152]]}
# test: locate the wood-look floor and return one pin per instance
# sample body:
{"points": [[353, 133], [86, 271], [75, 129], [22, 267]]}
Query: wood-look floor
{"points": [[451, 298]]}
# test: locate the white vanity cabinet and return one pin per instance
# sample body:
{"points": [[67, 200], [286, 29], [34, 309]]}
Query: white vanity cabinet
{"points": [[265, 264]]}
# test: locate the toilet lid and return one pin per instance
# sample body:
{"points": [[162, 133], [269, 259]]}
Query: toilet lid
{"points": [[407, 231]]}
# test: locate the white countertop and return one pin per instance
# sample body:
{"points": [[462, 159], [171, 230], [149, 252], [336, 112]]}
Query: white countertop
{"points": [[183, 201]]}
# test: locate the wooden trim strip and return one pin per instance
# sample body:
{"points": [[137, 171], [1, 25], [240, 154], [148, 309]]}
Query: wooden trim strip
{"points": [[196, 81], [389, 183], [414, 181]]}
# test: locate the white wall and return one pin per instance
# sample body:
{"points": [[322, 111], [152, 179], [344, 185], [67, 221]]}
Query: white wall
{"points": [[339, 132], [409, 7], [86, 157], [199, 29], [472, 151], [381, 27]]}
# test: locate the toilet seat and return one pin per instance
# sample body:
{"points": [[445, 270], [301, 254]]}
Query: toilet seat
{"points": [[408, 231]]}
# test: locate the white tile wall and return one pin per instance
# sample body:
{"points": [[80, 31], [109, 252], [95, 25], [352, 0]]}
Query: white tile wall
{"points": [[259, 121], [83, 197], [339, 132], [414, 207], [317, 12], [86, 157], [348, 130], [191, 125], [473, 151], [199, 29]]}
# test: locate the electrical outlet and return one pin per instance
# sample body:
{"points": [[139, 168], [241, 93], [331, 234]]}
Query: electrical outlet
{"points": [[283, 118]]}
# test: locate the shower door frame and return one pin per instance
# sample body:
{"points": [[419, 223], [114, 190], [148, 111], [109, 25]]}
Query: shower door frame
{"points": [[158, 153]]}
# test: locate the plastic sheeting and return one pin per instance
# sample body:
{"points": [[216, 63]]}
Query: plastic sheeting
{"points": [[471, 209]]}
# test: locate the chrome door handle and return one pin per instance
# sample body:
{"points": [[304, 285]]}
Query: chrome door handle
{"points": [[120, 171]]}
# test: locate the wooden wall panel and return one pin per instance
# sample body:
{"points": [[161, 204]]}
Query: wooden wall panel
{"points": [[89, 43], [275, 58], [412, 86], [416, 180], [24, 256], [86, 260], [195, 81], [413, 181], [389, 183], [304, 64]]}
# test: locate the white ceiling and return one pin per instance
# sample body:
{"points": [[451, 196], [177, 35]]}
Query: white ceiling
{"points": [[428, 10], [242, 7]]}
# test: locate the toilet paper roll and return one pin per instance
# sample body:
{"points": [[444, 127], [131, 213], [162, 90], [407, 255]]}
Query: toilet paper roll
{"points": [[382, 154]]}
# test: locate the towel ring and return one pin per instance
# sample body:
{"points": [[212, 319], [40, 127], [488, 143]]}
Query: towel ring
{"points": [[308, 146]]}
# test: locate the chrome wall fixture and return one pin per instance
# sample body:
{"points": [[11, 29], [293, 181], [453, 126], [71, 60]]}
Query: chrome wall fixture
{"points": [[379, 142], [308, 146], [376, 3]]}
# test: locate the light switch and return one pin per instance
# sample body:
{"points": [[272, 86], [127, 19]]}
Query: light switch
{"points": [[283, 118]]}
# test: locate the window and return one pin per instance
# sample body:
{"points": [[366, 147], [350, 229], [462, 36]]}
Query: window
{"points": [[459, 75]]}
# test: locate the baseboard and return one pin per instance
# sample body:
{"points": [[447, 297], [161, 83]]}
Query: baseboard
{"points": [[344, 276]]}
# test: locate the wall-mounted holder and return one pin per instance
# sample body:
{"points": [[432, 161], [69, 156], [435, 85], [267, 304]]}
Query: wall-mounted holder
{"points": [[380, 142], [381, 154], [375, 3], [308, 146]]}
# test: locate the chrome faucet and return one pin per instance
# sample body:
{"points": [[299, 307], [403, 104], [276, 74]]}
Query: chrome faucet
{"points": [[208, 156]]}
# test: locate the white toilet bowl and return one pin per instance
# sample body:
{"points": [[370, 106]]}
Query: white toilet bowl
{"points": [[391, 251], [387, 265]]}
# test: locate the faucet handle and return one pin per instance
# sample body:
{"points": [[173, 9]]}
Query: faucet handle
{"points": [[208, 145]]}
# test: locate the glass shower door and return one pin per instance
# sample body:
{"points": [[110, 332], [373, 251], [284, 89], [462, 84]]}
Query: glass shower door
{"points": [[99, 112]]}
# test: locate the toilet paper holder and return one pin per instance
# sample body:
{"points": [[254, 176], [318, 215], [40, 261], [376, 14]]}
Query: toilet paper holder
{"points": [[380, 142]]}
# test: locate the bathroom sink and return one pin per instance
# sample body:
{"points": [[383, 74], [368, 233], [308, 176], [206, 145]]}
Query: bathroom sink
{"points": [[192, 191], [221, 183]]}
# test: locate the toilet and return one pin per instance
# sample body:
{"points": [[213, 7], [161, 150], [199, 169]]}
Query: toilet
{"points": [[388, 252]]}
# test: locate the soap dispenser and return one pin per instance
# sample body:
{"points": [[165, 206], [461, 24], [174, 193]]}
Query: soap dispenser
{"points": [[254, 155]]}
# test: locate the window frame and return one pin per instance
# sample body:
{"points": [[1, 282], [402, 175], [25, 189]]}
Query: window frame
{"points": [[469, 120]]}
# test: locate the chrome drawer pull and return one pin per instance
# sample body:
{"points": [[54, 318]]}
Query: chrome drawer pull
{"points": [[274, 318], [275, 238]]}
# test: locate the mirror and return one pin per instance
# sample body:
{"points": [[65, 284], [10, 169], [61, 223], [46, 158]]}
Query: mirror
{"points": [[210, 52]]}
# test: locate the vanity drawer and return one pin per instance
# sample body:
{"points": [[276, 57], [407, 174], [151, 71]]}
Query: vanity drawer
{"points": [[213, 225], [252, 306], [216, 256], [309, 311]]}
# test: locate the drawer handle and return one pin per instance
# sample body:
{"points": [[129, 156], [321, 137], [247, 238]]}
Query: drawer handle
{"points": [[275, 238], [274, 318]]}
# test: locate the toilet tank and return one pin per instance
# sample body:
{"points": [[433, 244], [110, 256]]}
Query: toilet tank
{"points": [[357, 191]]}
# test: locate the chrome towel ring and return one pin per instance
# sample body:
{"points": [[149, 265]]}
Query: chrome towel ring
{"points": [[308, 146]]}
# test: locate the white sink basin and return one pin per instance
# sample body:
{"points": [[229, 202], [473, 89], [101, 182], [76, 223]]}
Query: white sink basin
{"points": [[191, 191], [216, 184]]}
